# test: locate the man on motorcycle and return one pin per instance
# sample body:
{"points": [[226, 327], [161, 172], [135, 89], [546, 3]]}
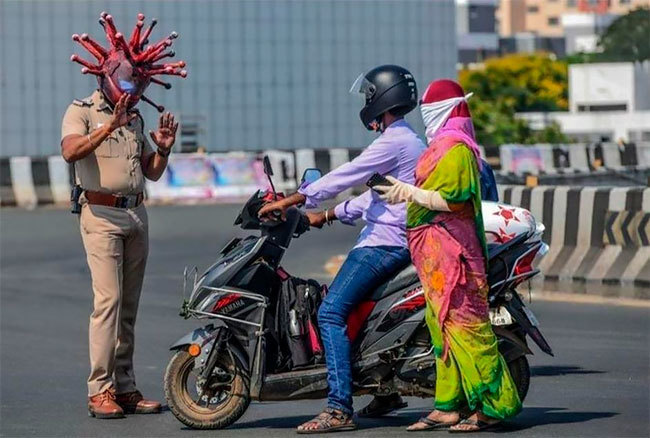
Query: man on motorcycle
{"points": [[390, 93]]}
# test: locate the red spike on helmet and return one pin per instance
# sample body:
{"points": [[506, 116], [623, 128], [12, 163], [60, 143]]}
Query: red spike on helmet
{"points": [[128, 66]]}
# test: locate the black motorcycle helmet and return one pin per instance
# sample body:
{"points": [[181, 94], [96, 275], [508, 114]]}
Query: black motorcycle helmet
{"points": [[386, 88]]}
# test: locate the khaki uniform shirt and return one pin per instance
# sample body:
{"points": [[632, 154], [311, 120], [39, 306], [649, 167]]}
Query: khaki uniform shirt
{"points": [[115, 166]]}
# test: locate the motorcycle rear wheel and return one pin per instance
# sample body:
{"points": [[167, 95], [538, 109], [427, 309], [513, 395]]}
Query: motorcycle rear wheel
{"points": [[520, 372], [229, 403]]}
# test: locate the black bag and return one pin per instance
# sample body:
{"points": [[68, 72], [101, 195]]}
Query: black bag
{"points": [[297, 325]]}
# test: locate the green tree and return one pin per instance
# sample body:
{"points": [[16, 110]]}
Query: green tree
{"points": [[627, 38], [511, 84]]}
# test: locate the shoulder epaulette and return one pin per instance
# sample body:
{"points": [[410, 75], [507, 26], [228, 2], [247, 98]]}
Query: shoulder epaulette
{"points": [[88, 101]]}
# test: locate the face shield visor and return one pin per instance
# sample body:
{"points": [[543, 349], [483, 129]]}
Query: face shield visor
{"points": [[364, 87], [122, 77]]}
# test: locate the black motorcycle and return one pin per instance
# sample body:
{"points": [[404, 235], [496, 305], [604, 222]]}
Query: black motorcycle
{"points": [[249, 351]]}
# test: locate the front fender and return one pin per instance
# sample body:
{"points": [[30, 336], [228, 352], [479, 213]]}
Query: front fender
{"points": [[207, 338], [198, 336]]}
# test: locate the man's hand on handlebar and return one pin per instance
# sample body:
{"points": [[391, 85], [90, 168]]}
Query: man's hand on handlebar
{"points": [[272, 210]]}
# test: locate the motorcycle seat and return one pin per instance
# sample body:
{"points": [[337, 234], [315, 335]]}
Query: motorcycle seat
{"points": [[402, 279]]}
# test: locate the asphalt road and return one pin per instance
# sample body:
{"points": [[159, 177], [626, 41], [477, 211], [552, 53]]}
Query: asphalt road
{"points": [[597, 384]]}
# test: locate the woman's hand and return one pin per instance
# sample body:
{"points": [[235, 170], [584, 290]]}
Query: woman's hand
{"points": [[396, 193], [403, 192]]}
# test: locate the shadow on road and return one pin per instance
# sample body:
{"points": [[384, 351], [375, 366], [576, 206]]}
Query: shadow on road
{"points": [[560, 370], [529, 418], [295, 421], [274, 423], [532, 417]]}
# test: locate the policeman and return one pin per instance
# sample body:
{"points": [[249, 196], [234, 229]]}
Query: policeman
{"points": [[102, 136]]}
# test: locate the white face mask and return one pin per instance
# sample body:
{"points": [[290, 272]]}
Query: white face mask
{"points": [[436, 114]]}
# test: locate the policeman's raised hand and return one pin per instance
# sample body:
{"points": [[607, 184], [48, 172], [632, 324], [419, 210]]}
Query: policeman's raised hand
{"points": [[165, 136], [121, 115]]}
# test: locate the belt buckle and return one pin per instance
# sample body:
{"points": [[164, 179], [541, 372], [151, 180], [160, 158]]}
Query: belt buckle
{"points": [[126, 201], [130, 201]]}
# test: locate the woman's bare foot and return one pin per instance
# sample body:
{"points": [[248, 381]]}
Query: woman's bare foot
{"points": [[474, 423], [440, 417]]}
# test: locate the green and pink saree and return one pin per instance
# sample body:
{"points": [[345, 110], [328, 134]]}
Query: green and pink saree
{"points": [[449, 252]]}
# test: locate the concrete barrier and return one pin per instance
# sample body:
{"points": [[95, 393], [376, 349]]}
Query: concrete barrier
{"points": [[598, 237]]}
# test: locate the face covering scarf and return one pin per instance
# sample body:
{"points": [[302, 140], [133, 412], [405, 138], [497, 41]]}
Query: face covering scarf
{"points": [[435, 114]]}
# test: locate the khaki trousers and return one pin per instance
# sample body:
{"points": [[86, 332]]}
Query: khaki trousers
{"points": [[117, 244]]}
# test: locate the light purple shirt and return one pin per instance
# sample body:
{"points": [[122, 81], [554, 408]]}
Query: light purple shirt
{"points": [[395, 152]]}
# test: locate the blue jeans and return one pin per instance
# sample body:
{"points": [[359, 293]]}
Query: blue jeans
{"points": [[363, 270]]}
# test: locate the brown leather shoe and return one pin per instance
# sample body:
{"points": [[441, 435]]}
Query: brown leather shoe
{"points": [[103, 405], [135, 403]]}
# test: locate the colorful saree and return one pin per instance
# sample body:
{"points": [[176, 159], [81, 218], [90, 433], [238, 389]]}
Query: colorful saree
{"points": [[449, 252]]}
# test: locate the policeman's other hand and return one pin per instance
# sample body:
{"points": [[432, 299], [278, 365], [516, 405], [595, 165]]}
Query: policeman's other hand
{"points": [[273, 210], [121, 114], [165, 136], [317, 219]]}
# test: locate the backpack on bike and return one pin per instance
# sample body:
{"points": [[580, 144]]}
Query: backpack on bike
{"points": [[297, 325]]}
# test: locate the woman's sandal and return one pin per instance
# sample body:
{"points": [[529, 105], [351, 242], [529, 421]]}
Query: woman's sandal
{"points": [[431, 425], [324, 424], [480, 426]]}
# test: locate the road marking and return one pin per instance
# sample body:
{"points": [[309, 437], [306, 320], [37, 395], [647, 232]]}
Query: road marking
{"points": [[333, 264]]}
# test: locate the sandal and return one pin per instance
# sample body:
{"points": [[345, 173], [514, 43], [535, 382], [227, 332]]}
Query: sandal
{"points": [[480, 426], [431, 425], [378, 408], [323, 422]]}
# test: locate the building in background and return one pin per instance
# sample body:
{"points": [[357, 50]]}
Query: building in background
{"points": [[581, 31], [607, 101], [529, 42], [544, 17], [560, 26], [476, 30], [262, 74], [510, 17]]}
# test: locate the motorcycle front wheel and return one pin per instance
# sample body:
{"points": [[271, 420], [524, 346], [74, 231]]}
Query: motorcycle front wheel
{"points": [[214, 404]]}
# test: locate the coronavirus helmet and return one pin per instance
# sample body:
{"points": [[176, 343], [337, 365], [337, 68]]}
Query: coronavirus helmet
{"points": [[128, 67]]}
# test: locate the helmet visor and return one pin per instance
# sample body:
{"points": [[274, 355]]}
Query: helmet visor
{"points": [[363, 86]]}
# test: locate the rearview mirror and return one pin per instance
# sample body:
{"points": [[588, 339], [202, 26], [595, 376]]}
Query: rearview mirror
{"points": [[311, 175], [268, 169]]}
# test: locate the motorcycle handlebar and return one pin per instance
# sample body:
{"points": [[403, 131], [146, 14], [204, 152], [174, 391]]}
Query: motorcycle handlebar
{"points": [[248, 219]]}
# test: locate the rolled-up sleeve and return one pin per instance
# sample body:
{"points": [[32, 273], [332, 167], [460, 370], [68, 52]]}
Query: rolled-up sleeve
{"points": [[378, 157], [349, 211], [75, 121]]}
